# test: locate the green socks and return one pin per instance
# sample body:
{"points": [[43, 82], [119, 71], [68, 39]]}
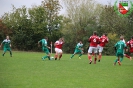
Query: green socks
{"points": [[46, 57], [11, 53], [121, 59], [72, 56], [116, 60], [80, 55]]}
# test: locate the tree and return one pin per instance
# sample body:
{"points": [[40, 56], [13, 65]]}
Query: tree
{"points": [[30, 25], [52, 8], [115, 25], [4, 30], [83, 16]]}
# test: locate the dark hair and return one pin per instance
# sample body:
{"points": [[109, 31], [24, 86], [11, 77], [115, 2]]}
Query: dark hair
{"points": [[105, 34], [95, 33], [132, 37]]}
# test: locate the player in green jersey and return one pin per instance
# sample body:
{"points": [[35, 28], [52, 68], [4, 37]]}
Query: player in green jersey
{"points": [[78, 49], [119, 47], [45, 48], [6, 46]]}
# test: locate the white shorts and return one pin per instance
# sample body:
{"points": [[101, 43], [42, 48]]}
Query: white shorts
{"points": [[99, 48], [92, 49], [57, 50]]}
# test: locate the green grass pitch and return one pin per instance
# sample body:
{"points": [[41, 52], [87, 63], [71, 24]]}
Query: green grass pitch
{"points": [[27, 70]]}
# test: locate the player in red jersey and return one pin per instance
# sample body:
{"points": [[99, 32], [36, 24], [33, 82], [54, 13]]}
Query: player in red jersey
{"points": [[125, 53], [102, 42], [130, 44], [94, 39], [58, 48]]}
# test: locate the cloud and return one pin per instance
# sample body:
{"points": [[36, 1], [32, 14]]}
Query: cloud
{"points": [[6, 5]]}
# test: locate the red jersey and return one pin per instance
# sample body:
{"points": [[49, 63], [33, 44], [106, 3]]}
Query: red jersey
{"points": [[130, 44], [103, 40], [59, 44], [94, 39]]}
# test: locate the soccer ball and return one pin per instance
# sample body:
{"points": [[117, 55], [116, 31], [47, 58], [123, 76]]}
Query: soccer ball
{"points": [[51, 58]]}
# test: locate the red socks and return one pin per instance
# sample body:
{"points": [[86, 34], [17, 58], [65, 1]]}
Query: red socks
{"points": [[89, 57], [60, 56], [127, 56]]}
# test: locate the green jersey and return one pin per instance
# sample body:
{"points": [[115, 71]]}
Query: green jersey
{"points": [[120, 47], [6, 43], [77, 50], [44, 46], [44, 43], [79, 45]]}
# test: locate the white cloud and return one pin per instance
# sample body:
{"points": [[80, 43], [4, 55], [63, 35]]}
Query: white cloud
{"points": [[6, 5]]}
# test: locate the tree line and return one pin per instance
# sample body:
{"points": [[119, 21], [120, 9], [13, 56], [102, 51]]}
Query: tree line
{"points": [[28, 25]]}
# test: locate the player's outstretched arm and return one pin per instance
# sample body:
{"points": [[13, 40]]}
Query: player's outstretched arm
{"points": [[10, 45], [0, 45], [89, 40], [38, 43], [47, 47], [55, 44]]}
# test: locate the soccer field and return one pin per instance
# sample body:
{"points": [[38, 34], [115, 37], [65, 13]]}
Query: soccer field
{"points": [[27, 70]]}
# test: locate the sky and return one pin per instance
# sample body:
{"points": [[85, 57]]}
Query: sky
{"points": [[6, 5]]}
